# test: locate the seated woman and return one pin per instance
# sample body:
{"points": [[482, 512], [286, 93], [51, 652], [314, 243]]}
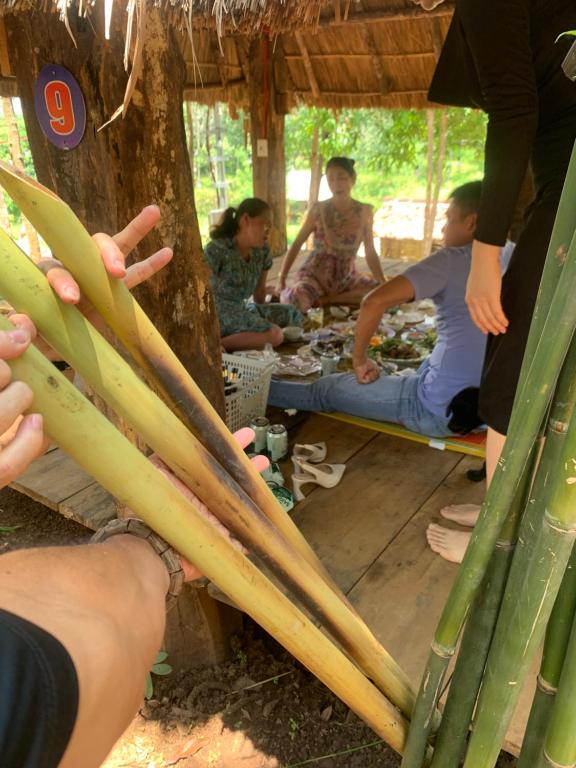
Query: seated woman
{"points": [[340, 224], [239, 258]]}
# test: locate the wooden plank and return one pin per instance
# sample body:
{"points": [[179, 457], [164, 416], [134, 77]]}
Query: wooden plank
{"points": [[52, 478], [384, 486], [401, 596], [93, 507]]}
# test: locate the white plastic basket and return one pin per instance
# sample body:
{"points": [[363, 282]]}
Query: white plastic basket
{"points": [[252, 384]]}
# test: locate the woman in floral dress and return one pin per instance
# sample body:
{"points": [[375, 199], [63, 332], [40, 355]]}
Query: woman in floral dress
{"points": [[340, 224], [239, 258]]}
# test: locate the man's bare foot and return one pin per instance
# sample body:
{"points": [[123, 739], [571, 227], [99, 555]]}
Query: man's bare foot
{"points": [[449, 544], [463, 514]]}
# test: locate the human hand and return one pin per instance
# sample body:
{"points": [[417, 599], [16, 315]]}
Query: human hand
{"points": [[114, 251], [484, 288], [21, 437], [366, 370], [244, 437]]}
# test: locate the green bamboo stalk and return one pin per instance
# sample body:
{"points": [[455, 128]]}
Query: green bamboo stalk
{"points": [[81, 345], [73, 246], [479, 630], [533, 583], [457, 714], [548, 342], [85, 434], [555, 645], [560, 746]]}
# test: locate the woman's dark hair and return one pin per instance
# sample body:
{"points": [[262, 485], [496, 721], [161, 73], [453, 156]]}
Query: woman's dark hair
{"points": [[230, 221], [346, 163]]}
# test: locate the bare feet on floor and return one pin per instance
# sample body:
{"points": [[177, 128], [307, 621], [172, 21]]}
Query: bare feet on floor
{"points": [[449, 544], [463, 514]]}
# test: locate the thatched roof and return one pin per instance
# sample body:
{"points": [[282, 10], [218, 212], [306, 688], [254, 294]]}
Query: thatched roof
{"points": [[332, 53]]}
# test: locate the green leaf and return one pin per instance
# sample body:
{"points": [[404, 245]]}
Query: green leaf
{"points": [[9, 528], [162, 656], [161, 669], [571, 32]]}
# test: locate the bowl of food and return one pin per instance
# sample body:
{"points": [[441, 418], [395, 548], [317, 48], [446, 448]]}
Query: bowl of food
{"points": [[339, 313], [292, 333]]}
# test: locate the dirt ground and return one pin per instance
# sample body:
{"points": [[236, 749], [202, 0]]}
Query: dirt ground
{"points": [[260, 709]]}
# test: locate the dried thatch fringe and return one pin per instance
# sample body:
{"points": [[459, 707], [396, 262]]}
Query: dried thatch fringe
{"points": [[247, 16]]}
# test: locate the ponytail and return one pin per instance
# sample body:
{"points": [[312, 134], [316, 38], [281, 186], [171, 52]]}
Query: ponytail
{"points": [[227, 226], [230, 221]]}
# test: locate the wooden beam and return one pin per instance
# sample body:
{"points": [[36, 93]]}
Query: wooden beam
{"points": [[346, 55], [399, 13], [370, 44], [241, 45], [359, 95], [214, 91], [5, 69], [219, 61], [308, 65], [438, 40], [8, 86]]}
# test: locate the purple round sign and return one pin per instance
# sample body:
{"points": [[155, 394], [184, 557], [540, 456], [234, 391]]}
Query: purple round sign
{"points": [[60, 106]]}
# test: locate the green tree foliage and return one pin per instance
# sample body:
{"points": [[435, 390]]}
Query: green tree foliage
{"points": [[13, 212]]}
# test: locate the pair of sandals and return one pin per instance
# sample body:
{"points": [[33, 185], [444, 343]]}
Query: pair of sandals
{"points": [[309, 468]]}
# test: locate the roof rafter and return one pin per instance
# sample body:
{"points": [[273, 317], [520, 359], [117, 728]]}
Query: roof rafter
{"points": [[399, 13], [308, 65]]}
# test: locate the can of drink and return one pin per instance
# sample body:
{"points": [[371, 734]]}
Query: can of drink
{"points": [[260, 426], [329, 363], [277, 442]]}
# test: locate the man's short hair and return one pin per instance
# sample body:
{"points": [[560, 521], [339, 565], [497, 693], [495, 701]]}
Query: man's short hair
{"points": [[467, 197]]}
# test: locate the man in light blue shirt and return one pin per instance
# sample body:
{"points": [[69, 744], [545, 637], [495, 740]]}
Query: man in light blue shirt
{"points": [[420, 401]]}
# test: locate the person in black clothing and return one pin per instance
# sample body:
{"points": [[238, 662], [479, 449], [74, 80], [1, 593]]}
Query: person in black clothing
{"points": [[503, 58]]}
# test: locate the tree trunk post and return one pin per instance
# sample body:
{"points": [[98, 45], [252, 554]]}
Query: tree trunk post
{"points": [[267, 136], [110, 177]]}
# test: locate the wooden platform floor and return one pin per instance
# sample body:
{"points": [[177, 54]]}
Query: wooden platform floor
{"points": [[369, 531]]}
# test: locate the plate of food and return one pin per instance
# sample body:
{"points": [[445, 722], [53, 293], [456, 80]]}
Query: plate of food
{"points": [[411, 318], [399, 352]]}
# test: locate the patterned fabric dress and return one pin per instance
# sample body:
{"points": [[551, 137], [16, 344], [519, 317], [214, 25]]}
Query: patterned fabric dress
{"points": [[233, 282], [330, 267]]}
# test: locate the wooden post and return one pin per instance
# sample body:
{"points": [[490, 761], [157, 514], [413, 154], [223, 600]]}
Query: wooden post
{"points": [[107, 179], [315, 168], [267, 137]]}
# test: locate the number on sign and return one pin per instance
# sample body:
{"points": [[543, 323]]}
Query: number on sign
{"points": [[58, 100]]}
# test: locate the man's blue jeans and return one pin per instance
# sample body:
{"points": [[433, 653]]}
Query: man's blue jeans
{"points": [[389, 398]]}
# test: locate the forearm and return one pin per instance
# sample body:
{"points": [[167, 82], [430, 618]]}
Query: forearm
{"points": [[366, 325], [484, 252], [289, 259], [106, 604], [373, 261]]}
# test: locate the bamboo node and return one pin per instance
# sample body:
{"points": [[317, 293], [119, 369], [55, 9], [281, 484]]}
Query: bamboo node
{"points": [[442, 650], [558, 525], [561, 253], [561, 427], [553, 763], [545, 686], [505, 545]]}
